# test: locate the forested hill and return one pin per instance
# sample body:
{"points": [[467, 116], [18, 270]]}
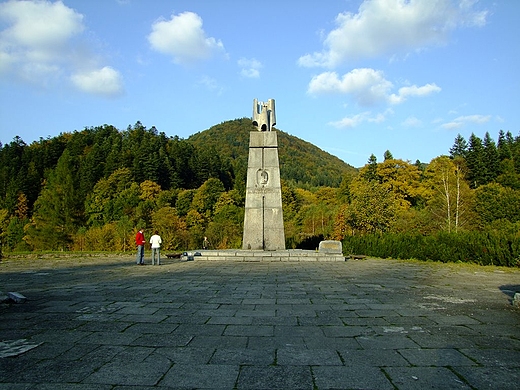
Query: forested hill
{"points": [[301, 162], [84, 158]]}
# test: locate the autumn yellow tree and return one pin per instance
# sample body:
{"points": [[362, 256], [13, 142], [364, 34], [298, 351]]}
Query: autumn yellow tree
{"points": [[206, 196], [196, 224], [225, 229], [316, 216], [171, 228], [381, 197], [149, 194], [374, 208], [149, 190], [402, 179]]}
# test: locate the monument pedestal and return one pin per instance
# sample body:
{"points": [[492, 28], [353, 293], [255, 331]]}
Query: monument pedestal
{"points": [[263, 220], [285, 255]]}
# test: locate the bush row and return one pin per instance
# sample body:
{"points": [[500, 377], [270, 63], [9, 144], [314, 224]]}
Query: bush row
{"points": [[484, 248]]}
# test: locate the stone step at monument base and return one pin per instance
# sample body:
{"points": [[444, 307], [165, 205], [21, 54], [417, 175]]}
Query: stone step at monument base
{"points": [[293, 255]]}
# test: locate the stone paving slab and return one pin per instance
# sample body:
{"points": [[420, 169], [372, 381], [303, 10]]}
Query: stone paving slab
{"points": [[106, 323]]}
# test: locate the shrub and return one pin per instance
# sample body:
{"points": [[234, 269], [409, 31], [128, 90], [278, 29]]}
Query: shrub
{"points": [[484, 248]]}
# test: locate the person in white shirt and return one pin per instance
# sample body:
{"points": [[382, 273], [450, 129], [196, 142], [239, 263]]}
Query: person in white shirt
{"points": [[156, 242]]}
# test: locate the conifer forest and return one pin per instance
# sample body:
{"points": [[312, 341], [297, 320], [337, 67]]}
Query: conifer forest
{"points": [[90, 190]]}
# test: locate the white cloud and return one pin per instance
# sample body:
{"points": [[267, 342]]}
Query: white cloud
{"points": [[352, 121], [393, 26], [35, 43], [463, 120], [183, 38], [452, 125], [413, 90], [105, 82], [474, 118], [412, 121], [355, 120], [250, 68], [367, 86], [37, 46], [211, 84], [39, 26]]}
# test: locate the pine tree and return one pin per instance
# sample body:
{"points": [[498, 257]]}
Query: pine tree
{"points": [[459, 148], [492, 159], [369, 171], [388, 156], [504, 146], [476, 162], [59, 209]]}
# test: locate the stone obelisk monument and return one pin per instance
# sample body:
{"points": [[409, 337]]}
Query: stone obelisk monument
{"points": [[263, 220]]}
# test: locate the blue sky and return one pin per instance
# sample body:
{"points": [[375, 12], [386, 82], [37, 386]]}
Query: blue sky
{"points": [[353, 77]]}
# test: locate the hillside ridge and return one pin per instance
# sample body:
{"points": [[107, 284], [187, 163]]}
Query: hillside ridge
{"points": [[301, 162]]}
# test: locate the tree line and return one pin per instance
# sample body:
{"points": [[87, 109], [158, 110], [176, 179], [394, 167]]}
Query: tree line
{"points": [[91, 190], [57, 192], [464, 206]]}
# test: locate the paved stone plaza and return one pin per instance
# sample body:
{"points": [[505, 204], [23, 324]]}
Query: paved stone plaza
{"points": [[106, 323]]}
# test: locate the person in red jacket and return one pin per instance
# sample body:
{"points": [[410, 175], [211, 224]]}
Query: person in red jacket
{"points": [[140, 241]]}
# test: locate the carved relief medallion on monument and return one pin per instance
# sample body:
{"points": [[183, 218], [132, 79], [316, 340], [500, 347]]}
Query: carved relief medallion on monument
{"points": [[262, 177]]}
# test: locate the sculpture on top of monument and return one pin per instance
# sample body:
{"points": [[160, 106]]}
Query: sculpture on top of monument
{"points": [[264, 116]]}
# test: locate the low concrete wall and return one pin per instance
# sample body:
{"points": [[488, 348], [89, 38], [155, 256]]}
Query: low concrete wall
{"points": [[256, 255]]}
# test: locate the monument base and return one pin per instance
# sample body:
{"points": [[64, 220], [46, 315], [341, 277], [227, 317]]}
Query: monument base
{"points": [[296, 255]]}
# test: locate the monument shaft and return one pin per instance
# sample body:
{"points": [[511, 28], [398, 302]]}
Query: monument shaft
{"points": [[263, 219]]}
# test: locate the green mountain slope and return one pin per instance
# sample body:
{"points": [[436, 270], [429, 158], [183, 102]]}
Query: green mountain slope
{"points": [[301, 162]]}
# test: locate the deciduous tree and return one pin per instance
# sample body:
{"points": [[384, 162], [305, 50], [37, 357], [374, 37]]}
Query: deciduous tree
{"points": [[450, 199], [207, 195], [373, 209], [402, 179], [225, 229], [171, 228]]}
